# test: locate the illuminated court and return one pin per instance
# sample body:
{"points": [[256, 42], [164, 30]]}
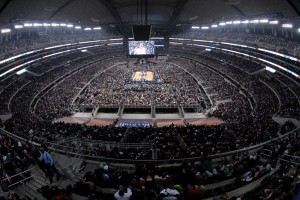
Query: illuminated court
{"points": [[142, 75]]}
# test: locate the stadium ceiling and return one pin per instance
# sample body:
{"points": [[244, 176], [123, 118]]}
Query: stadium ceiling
{"points": [[164, 15]]}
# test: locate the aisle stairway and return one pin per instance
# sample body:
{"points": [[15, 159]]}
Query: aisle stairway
{"points": [[71, 168]]}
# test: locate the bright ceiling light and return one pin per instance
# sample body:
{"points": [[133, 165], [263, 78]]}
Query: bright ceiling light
{"points": [[214, 26], [299, 30], [27, 24], [255, 21], [62, 24], [236, 22], [69, 25], [87, 29], [97, 28], [204, 27], [77, 27], [222, 24], [19, 26], [245, 22], [230, 22], [54, 24], [195, 27], [263, 21], [273, 22], [287, 25], [46, 24], [37, 24], [7, 30]]}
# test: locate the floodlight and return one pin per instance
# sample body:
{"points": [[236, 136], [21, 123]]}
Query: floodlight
{"points": [[7, 30], [19, 26], [236, 22], [255, 21], [263, 21], [37, 24], [273, 22], [27, 24], [287, 25]]}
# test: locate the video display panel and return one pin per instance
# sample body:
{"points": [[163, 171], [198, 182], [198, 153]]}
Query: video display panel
{"points": [[141, 47]]}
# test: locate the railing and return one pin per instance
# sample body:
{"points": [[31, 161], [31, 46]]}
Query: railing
{"points": [[115, 160], [291, 159]]}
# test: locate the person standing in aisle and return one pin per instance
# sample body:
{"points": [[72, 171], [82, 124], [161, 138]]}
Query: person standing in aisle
{"points": [[49, 164]]}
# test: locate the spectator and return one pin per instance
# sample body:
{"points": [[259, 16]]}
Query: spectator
{"points": [[123, 194], [49, 164]]}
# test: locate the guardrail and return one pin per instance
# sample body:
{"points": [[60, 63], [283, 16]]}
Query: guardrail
{"points": [[128, 161]]}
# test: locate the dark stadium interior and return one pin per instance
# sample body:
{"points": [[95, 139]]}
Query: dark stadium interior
{"points": [[204, 106]]}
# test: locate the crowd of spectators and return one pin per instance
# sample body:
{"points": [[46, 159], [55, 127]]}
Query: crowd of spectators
{"points": [[17, 161], [272, 42], [197, 141], [247, 119], [188, 181], [12, 45], [115, 87]]}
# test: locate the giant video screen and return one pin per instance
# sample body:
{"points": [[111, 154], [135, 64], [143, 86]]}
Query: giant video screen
{"points": [[141, 48]]}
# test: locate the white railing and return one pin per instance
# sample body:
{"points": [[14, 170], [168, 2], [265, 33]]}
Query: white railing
{"points": [[115, 160]]}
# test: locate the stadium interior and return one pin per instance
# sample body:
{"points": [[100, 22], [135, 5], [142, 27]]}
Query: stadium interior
{"points": [[150, 99]]}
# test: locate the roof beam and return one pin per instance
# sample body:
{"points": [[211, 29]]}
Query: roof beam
{"points": [[238, 10], [110, 6], [133, 3], [177, 10], [4, 6], [60, 8], [295, 6]]}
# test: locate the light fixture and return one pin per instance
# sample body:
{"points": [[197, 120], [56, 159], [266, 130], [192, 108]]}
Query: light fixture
{"points": [[214, 26], [7, 30], [236, 22], [273, 22], [27, 24], [87, 29], [222, 24], [245, 21], [54, 24], [204, 27], [77, 27], [69, 25], [229, 22], [287, 25], [195, 27], [37, 24], [46, 24], [62, 24], [255, 21], [263, 21], [97, 28], [19, 26]]}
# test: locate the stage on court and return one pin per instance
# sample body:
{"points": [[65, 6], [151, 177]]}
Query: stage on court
{"points": [[144, 120]]}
